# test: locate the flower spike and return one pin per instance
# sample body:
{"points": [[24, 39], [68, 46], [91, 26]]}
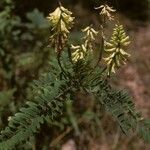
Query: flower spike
{"points": [[61, 22], [115, 49]]}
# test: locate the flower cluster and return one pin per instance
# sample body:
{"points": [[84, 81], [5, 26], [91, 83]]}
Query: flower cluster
{"points": [[61, 21], [116, 49], [85, 49]]}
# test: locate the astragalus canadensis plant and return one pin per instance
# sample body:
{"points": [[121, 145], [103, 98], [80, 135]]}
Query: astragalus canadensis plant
{"points": [[73, 70]]}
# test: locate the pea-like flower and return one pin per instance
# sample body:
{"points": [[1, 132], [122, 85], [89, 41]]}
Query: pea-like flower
{"points": [[115, 49]]}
